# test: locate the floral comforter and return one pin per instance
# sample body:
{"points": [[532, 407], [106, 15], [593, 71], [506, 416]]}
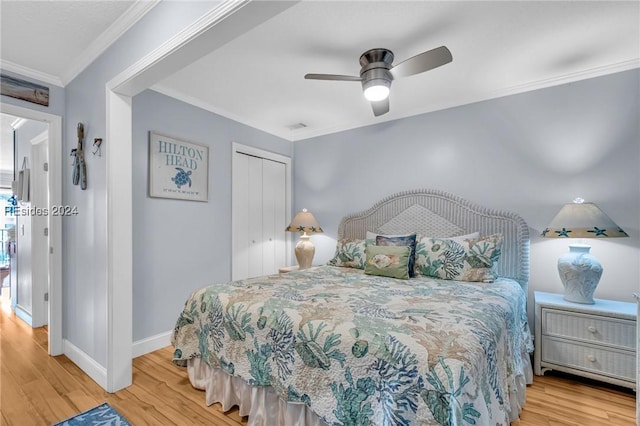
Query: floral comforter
{"points": [[360, 349]]}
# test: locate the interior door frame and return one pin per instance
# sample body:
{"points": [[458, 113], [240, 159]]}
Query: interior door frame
{"points": [[55, 222], [189, 45], [237, 148]]}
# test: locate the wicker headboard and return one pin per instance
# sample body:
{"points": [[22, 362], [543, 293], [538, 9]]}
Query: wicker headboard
{"points": [[439, 214]]}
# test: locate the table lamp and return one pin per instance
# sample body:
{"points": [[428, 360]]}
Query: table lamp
{"points": [[579, 271], [305, 223]]}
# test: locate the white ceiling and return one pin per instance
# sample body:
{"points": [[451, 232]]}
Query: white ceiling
{"points": [[498, 48]]}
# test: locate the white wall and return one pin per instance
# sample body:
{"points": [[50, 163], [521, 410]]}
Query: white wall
{"points": [[528, 153]]}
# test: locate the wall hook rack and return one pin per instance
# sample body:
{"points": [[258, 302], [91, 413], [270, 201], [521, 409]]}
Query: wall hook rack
{"points": [[97, 143], [79, 176]]}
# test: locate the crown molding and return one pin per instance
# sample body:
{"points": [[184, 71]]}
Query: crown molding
{"points": [[97, 47], [31, 73], [567, 78], [311, 132], [601, 71]]}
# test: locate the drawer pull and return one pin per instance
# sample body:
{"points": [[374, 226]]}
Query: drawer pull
{"points": [[591, 358], [592, 329]]}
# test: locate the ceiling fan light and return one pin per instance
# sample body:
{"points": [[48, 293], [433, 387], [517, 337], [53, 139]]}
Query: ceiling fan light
{"points": [[376, 90]]}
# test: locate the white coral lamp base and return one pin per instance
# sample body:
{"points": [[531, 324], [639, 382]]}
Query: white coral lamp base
{"points": [[580, 273], [304, 252]]}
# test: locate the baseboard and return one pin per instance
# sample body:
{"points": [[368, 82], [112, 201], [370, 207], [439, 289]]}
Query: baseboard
{"points": [[23, 315], [150, 344], [87, 364], [97, 372]]}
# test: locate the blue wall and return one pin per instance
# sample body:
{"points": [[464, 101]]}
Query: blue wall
{"points": [[84, 266], [529, 153], [180, 246]]}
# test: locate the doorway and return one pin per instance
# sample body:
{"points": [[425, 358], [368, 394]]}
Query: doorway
{"points": [[7, 202], [39, 295]]}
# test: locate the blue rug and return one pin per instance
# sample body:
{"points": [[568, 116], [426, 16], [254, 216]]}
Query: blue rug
{"points": [[103, 415]]}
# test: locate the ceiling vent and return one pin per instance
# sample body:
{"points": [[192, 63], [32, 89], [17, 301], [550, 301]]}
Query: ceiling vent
{"points": [[296, 126]]}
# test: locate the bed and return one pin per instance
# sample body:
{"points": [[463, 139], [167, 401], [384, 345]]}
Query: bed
{"points": [[339, 344]]}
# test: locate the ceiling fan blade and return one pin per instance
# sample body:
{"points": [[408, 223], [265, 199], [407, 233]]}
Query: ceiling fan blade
{"points": [[422, 62], [332, 77], [380, 107]]}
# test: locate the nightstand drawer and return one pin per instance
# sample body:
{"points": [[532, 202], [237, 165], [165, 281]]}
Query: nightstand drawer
{"points": [[589, 328], [619, 364]]}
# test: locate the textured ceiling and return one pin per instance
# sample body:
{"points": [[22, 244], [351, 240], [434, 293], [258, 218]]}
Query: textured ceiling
{"points": [[498, 48], [53, 41], [56, 39]]}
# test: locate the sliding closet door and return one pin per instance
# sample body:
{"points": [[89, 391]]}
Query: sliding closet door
{"points": [[273, 216], [259, 216], [240, 216], [254, 204]]}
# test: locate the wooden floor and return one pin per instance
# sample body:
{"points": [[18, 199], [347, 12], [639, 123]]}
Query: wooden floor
{"points": [[36, 389]]}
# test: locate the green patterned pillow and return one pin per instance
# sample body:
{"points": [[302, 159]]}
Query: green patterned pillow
{"points": [[388, 261], [467, 260], [408, 240], [349, 254]]}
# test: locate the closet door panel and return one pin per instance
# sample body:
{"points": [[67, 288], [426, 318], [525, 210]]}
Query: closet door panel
{"points": [[241, 216], [255, 217], [273, 214]]}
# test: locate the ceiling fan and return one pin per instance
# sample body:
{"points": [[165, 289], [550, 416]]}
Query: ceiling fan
{"points": [[377, 72]]}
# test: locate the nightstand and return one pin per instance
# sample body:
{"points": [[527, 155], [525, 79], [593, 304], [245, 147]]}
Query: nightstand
{"points": [[595, 341], [286, 269]]}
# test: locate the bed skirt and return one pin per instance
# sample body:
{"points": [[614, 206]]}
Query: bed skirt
{"points": [[264, 407], [261, 403]]}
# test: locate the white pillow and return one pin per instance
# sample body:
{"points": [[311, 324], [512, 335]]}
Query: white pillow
{"points": [[461, 238]]}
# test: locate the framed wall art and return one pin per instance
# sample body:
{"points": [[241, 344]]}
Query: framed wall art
{"points": [[24, 90], [178, 169]]}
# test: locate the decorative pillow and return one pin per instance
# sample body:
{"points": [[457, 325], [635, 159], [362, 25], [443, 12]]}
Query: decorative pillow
{"points": [[467, 260], [349, 254], [388, 261], [371, 236], [407, 240], [422, 240]]}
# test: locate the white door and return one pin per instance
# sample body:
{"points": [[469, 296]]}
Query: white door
{"points": [[273, 217], [254, 222], [40, 229], [260, 212]]}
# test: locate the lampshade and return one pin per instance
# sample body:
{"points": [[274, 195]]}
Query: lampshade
{"points": [[304, 222], [582, 220], [579, 271]]}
